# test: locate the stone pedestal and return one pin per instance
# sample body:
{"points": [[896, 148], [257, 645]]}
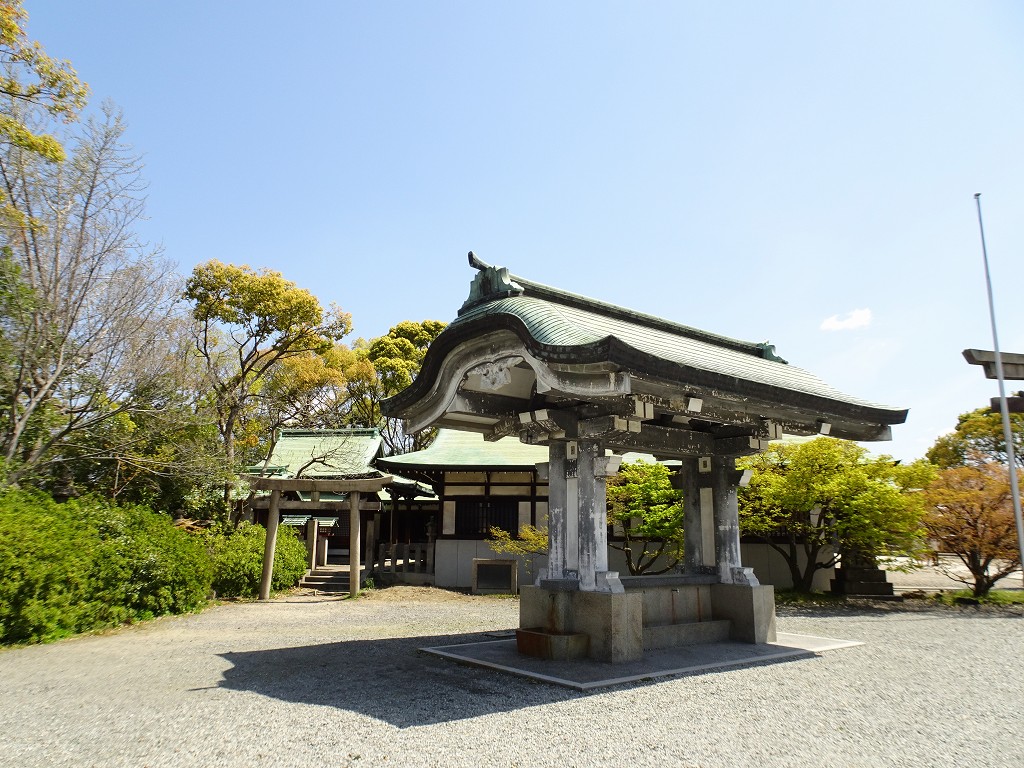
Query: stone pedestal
{"points": [[870, 581], [561, 622], [751, 609], [612, 621]]}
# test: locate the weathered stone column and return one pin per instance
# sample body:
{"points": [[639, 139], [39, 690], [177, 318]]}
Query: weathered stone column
{"points": [[593, 468], [693, 543], [273, 518], [557, 512], [592, 544], [725, 484]]}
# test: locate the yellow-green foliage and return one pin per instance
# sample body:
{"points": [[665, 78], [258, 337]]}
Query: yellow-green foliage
{"points": [[531, 541], [269, 309], [815, 500], [33, 77]]}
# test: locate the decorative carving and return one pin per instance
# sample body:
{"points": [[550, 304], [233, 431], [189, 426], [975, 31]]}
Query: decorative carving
{"points": [[742, 576], [489, 284], [497, 373]]}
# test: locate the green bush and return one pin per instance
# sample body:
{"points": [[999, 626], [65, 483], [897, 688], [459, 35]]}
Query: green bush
{"points": [[85, 564], [238, 560], [148, 567]]}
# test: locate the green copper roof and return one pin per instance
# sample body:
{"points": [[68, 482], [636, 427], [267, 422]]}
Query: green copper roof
{"points": [[579, 335], [326, 452], [566, 325], [454, 449]]}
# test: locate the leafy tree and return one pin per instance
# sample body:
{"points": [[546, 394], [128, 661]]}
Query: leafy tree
{"points": [[970, 513], [649, 512], [83, 299], [247, 323], [30, 79], [528, 544], [383, 368], [978, 439], [307, 391], [812, 501]]}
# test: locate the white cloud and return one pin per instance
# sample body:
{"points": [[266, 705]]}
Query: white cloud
{"points": [[858, 318]]}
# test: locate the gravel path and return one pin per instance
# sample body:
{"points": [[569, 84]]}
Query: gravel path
{"points": [[305, 681]]}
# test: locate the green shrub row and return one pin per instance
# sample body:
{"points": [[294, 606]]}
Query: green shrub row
{"points": [[238, 561], [85, 564]]}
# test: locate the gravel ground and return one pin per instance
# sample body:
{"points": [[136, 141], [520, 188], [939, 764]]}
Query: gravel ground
{"points": [[305, 681]]}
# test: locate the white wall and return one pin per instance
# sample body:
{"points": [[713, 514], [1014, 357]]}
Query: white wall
{"points": [[453, 564]]}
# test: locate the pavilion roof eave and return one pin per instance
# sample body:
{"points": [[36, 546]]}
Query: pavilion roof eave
{"points": [[299, 484], [519, 346], [656, 373]]}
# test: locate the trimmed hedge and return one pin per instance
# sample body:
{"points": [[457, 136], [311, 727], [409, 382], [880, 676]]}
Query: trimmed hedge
{"points": [[238, 560], [85, 564]]}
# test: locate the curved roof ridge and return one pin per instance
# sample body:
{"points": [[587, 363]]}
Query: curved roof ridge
{"points": [[762, 350]]}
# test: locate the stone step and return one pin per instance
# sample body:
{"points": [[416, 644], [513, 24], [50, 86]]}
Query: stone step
{"points": [[853, 588], [860, 574], [330, 581], [689, 633]]}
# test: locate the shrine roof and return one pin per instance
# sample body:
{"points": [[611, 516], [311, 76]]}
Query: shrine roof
{"points": [[453, 449], [325, 453], [560, 327]]}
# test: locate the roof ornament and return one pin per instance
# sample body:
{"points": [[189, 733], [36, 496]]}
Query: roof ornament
{"points": [[490, 284], [768, 352]]}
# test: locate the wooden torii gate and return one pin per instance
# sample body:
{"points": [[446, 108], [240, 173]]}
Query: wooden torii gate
{"points": [[278, 485]]}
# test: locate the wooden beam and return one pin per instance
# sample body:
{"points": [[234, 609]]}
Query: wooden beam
{"points": [[312, 507], [743, 445], [365, 484], [616, 433], [483, 404]]}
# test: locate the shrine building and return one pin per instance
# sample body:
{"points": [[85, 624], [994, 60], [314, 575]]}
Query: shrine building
{"points": [[592, 381]]}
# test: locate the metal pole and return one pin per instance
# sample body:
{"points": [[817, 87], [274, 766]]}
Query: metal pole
{"points": [[1003, 407]]}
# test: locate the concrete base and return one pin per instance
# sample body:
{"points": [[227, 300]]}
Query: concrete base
{"points": [[750, 609], [586, 674], [548, 645], [690, 633], [659, 613], [612, 622]]}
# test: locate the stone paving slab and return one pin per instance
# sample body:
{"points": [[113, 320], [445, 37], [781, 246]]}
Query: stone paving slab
{"points": [[587, 674]]}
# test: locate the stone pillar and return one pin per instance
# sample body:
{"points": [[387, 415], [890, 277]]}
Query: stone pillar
{"points": [[354, 567], [557, 512], [593, 468], [273, 519], [725, 484], [693, 544], [592, 521]]}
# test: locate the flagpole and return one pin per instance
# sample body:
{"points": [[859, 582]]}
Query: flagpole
{"points": [[1003, 406]]}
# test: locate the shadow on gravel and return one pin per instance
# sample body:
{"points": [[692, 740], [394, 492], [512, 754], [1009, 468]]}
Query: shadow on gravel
{"points": [[854, 608], [387, 679], [393, 681]]}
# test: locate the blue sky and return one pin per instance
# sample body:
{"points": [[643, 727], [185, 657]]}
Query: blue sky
{"points": [[799, 172]]}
